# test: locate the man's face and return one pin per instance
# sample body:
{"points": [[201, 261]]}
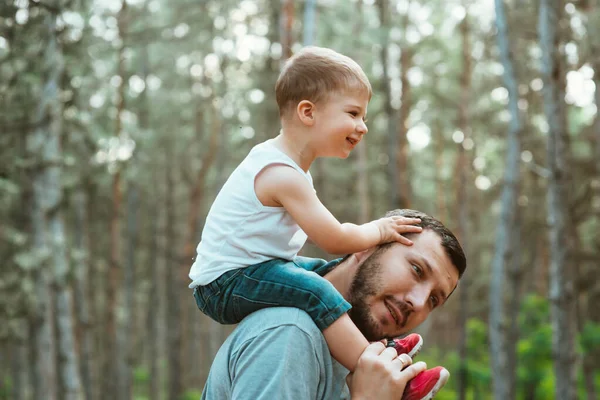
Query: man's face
{"points": [[395, 290]]}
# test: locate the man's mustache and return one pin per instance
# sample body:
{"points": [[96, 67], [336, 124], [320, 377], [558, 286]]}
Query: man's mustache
{"points": [[404, 308]]}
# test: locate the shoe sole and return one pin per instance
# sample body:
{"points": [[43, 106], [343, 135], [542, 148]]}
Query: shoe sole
{"points": [[444, 375], [415, 350]]}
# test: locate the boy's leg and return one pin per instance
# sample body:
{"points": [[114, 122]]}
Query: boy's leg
{"points": [[212, 298], [288, 284], [318, 265]]}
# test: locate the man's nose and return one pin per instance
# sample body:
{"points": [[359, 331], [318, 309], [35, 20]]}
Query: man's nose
{"points": [[418, 298]]}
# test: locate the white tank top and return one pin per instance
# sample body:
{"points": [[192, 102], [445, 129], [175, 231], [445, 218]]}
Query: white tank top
{"points": [[239, 231]]}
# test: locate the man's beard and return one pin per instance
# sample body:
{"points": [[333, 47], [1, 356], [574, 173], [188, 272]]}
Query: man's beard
{"points": [[366, 284]]}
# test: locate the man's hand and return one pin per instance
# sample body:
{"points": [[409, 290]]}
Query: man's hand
{"points": [[392, 228], [379, 374]]}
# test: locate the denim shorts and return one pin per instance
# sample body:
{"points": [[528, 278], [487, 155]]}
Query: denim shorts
{"points": [[296, 283]]}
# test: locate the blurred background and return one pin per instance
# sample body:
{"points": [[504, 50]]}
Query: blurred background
{"points": [[120, 120]]}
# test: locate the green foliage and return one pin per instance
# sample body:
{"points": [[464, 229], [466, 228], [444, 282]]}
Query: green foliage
{"points": [[8, 188], [192, 394], [478, 371], [534, 349], [141, 375], [5, 388], [589, 338], [14, 237], [534, 356], [445, 395]]}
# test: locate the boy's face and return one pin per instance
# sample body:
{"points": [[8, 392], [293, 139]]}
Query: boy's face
{"points": [[340, 123]]}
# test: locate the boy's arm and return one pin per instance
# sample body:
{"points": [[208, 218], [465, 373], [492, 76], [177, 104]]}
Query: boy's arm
{"points": [[281, 185]]}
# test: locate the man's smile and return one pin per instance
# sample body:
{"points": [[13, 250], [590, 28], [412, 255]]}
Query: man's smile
{"points": [[397, 313]]}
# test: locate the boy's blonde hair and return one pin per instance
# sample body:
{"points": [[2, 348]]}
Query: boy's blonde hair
{"points": [[315, 72]]}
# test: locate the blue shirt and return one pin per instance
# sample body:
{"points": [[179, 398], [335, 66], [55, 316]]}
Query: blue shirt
{"points": [[275, 353]]}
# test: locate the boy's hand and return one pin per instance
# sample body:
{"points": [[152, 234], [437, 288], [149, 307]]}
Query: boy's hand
{"points": [[392, 228]]}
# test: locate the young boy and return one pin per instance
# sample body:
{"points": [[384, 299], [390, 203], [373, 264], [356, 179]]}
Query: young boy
{"points": [[267, 208]]}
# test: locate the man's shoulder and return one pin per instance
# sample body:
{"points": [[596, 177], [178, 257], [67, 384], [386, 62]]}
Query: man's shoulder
{"points": [[273, 328], [267, 334], [275, 353], [278, 318]]}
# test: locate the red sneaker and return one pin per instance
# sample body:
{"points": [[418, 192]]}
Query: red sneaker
{"points": [[410, 345], [425, 385]]}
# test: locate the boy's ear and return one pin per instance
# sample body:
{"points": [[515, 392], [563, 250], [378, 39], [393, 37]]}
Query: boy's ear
{"points": [[306, 110]]}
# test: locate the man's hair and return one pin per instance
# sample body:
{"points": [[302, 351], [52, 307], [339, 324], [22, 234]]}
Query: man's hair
{"points": [[315, 72], [449, 242]]}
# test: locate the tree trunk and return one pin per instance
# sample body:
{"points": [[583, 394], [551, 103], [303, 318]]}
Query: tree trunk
{"points": [[54, 231], [196, 196], [42, 145], [84, 336], [362, 184], [68, 361], [285, 25], [530, 391], [591, 360], [221, 147], [319, 166], [596, 65], [196, 348], [153, 314], [383, 8], [502, 349], [215, 338], [515, 278], [440, 189], [562, 309], [173, 316], [269, 126], [19, 366], [114, 373], [402, 165], [361, 163], [128, 317], [96, 286], [463, 167], [309, 22]]}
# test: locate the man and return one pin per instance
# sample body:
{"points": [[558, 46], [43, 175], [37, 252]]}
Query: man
{"points": [[279, 353]]}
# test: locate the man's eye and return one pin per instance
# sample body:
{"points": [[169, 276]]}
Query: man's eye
{"points": [[434, 301], [417, 269]]}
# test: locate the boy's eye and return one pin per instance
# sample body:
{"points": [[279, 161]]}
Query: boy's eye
{"points": [[365, 120], [353, 113]]}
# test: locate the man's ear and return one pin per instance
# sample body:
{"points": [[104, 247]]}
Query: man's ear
{"points": [[306, 112], [363, 255]]}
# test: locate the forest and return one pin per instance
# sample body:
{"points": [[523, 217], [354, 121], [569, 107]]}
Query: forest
{"points": [[120, 120]]}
